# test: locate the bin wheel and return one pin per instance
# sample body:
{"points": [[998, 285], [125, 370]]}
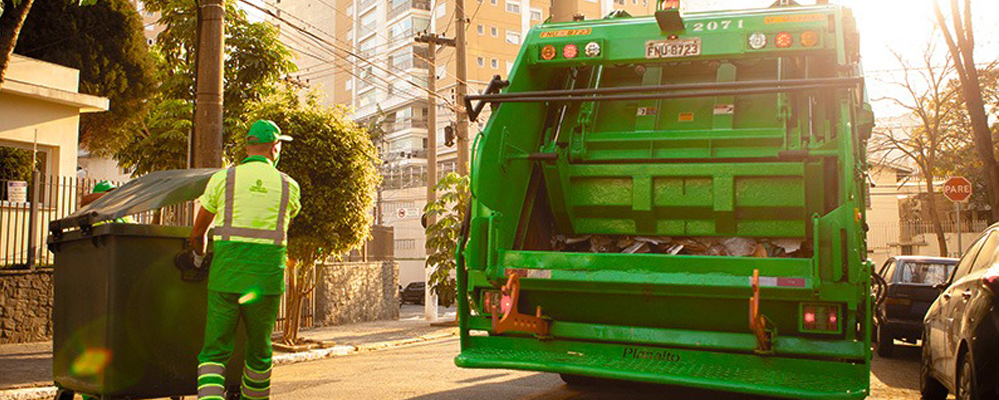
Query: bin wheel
{"points": [[176, 397], [64, 394], [232, 393]]}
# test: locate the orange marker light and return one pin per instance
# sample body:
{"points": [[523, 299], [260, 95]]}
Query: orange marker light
{"points": [[548, 52], [570, 51], [809, 38], [783, 40]]}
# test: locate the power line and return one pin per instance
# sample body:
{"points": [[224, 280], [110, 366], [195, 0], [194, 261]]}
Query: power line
{"points": [[338, 47]]}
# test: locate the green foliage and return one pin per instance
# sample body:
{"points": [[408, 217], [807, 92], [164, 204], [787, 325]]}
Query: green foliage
{"points": [[255, 61], [442, 236], [15, 164], [334, 163], [158, 140], [106, 43]]}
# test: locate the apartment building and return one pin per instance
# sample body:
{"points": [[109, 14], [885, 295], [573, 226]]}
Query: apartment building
{"points": [[151, 27], [372, 64]]}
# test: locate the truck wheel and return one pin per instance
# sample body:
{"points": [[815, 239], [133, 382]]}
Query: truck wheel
{"points": [[886, 343], [581, 380], [64, 394]]}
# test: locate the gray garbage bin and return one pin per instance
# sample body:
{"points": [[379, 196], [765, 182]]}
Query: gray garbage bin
{"points": [[126, 325]]}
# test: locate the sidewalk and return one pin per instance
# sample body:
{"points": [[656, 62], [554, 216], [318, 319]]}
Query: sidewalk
{"points": [[27, 367]]}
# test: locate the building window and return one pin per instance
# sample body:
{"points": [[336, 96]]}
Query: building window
{"points": [[350, 84], [513, 37], [481, 61], [536, 14], [405, 244], [494, 31], [513, 7], [493, 2], [619, 2], [509, 67], [482, 29], [494, 63], [441, 11]]}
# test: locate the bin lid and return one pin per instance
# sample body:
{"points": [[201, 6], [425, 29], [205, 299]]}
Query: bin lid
{"points": [[148, 192]]}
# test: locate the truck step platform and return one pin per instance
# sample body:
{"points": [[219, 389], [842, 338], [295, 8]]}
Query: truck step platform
{"points": [[746, 373]]}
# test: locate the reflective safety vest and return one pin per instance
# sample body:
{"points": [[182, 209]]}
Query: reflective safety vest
{"points": [[253, 205]]}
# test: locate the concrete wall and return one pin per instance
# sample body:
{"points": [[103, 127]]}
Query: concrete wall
{"points": [[25, 306], [357, 292]]}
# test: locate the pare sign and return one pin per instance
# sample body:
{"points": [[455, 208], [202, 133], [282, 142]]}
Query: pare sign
{"points": [[957, 189]]}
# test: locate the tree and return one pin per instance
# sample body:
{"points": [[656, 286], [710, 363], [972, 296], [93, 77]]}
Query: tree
{"points": [[333, 161], [15, 164], [961, 45], [255, 61], [442, 236], [12, 16], [158, 140], [928, 101], [105, 42]]}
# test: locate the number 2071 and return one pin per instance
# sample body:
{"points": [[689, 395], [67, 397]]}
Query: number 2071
{"points": [[716, 25]]}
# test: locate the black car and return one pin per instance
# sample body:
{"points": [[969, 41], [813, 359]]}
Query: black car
{"points": [[413, 293], [960, 334], [911, 285]]}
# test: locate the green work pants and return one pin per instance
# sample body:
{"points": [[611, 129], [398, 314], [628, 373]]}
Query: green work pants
{"points": [[224, 313]]}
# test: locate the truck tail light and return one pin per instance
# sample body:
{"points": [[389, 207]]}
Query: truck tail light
{"points": [[570, 51], [783, 40], [548, 52], [820, 318], [809, 38]]}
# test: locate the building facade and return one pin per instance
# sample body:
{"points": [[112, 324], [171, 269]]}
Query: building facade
{"points": [[362, 54]]}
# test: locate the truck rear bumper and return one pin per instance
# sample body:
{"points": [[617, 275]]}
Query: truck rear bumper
{"points": [[738, 372]]}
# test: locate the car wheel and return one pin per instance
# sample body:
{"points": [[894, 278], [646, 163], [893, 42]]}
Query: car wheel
{"points": [[929, 387], [886, 343], [967, 384]]}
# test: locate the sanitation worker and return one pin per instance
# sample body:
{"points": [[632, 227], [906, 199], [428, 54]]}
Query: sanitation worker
{"points": [[251, 205], [100, 189]]}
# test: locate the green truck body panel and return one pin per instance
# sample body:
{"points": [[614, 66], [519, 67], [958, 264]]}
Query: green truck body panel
{"points": [[724, 163]]}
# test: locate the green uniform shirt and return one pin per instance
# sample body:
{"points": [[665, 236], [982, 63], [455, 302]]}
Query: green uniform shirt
{"points": [[242, 262]]}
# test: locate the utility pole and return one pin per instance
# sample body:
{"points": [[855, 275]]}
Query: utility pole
{"points": [[206, 147], [461, 76], [432, 40]]}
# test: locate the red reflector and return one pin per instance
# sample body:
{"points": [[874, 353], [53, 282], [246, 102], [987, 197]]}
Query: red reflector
{"points": [[832, 318], [570, 51], [809, 317], [783, 40]]}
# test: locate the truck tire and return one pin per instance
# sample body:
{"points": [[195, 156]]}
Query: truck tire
{"points": [[64, 394], [581, 380], [886, 343]]}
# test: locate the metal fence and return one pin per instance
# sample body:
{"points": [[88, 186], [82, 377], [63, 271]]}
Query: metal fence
{"points": [[24, 224]]}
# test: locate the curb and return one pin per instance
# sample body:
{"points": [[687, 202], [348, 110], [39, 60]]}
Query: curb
{"points": [[48, 392]]}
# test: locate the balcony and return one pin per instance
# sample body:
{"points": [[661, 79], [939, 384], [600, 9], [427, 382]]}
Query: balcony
{"points": [[399, 9]]}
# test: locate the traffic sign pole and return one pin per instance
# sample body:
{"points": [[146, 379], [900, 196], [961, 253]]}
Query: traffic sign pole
{"points": [[960, 248], [958, 190]]}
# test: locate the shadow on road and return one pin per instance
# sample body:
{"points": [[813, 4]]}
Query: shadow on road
{"points": [[605, 390], [901, 370]]}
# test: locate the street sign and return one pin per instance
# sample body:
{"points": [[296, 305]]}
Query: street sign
{"points": [[957, 189], [401, 213], [17, 191]]}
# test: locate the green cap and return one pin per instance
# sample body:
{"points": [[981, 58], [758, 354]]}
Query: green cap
{"points": [[264, 131], [103, 186]]}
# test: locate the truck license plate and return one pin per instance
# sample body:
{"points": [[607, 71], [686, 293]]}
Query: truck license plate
{"points": [[673, 48]]}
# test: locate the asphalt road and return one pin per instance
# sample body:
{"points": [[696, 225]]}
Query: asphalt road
{"points": [[426, 372]]}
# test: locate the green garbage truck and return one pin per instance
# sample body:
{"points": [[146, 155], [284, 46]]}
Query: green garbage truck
{"points": [[676, 199]]}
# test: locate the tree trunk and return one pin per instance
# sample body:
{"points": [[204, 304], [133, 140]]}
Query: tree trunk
{"points": [[931, 202], [11, 22], [983, 140]]}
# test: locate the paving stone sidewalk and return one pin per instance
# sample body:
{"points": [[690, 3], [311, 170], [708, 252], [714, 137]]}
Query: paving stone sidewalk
{"points": [[27, 367]]}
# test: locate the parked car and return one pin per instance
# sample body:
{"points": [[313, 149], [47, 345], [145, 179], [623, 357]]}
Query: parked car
{"points": [[960, 333], [911, 285], [413, 293]]}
